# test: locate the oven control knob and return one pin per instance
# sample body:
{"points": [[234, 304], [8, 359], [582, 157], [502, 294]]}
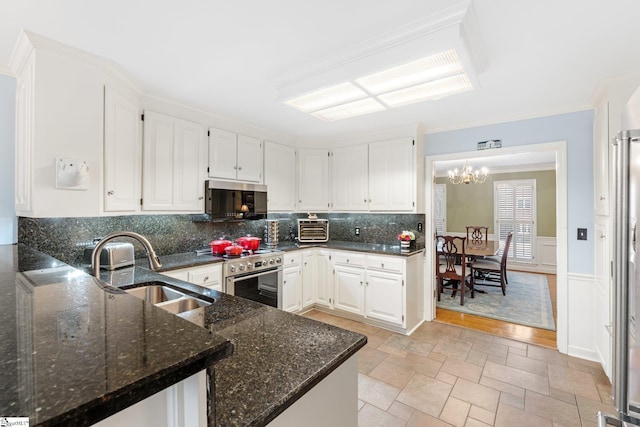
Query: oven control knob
{"points": [[232, 268], [241, 267], [249, 266], [278, 260], [271, 261]]}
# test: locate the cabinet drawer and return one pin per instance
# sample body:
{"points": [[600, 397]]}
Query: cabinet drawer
{"points": [[177, 274], [390, 264], [349, 258], [292, 258], [206, 276]]}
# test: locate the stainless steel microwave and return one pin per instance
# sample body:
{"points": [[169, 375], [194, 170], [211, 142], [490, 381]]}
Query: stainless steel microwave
{"points": [[228, 200]]}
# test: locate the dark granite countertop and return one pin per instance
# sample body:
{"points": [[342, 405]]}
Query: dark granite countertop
{"points": [[75, 350], [277, 356], [192, 259], [372, 248]]}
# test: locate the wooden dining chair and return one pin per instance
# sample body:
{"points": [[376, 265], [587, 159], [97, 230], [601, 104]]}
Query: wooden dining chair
{"points": [[477, 235], [490, 272], [450, 271]]}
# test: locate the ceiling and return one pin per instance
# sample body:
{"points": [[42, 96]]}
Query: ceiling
{"points": [[542, 57]]}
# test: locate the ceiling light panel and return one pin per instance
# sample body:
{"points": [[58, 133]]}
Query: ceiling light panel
{"points": [[420, 71], [352, 109], [327, 97], [432, 90]]}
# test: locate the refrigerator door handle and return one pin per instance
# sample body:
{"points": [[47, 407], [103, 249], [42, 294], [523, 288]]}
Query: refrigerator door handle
{"points": [[605, 420]]}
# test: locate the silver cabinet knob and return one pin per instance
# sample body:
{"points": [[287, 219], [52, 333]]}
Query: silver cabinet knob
{"points": [[110, 193]]}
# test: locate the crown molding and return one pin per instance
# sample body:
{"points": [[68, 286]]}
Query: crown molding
{"points": [[5, 70], [547, 112]]}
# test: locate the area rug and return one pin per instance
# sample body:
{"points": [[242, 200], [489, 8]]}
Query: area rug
{"points": [[527, 301]]}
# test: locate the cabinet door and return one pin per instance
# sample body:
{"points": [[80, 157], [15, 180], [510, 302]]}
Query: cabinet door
{"points": [[384, 297], [222, 154], [25, 106], [324, 279], [309, 278], [291, 289], [313, 180], [391, 175], [350, 178], [602, 313], [280, 176], [173, 169], [349, 287], [122, 153], [249, 161], [189, 174], [601, 160]]}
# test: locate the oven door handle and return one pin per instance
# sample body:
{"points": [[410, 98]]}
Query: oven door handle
{"points": [[252, 275]]}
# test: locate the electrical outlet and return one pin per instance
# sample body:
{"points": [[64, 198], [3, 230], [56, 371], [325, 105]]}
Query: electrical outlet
{"points": [[419, 226], [357, 231], [582, 234]]}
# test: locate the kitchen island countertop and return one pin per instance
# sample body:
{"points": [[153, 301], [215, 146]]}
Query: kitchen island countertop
{"points": [[277, 356]]}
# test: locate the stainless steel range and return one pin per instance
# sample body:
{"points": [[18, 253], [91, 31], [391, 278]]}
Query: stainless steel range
{"points": [[256, 276]]}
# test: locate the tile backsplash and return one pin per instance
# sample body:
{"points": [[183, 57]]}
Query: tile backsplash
{"points": [[66, 238]]}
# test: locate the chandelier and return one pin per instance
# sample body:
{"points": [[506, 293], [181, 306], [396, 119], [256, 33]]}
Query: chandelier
{"points": [[468, 175]]}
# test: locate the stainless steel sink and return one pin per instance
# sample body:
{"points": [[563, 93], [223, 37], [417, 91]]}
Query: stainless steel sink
{"points": [[173, 301], [155, 294], [183, 304]]}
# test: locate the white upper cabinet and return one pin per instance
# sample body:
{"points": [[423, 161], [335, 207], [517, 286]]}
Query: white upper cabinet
{"points": [[313, 180], [222, 154], [350, 178], [25, 86], [249, 159], [122, 152], [392, 178], [173, 164], [280, 177], [234, 156]]}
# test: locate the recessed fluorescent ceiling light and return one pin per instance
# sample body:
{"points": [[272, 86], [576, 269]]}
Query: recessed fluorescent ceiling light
{"points": [[423, 70], [431, 90], [326, 97], [432, 77], [352, 109]]}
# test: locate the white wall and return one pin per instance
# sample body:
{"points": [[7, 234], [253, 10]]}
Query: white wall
{"points": [[8, 228]]}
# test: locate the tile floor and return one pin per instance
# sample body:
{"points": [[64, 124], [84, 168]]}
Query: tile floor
{"points": [[444, 375]]}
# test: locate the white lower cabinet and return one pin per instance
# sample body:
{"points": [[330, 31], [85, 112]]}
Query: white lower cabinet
{"points": [[385, 290], [384, 297], [291, 288], [207, 276], [349, 288], [309, 282], [323, 279]]}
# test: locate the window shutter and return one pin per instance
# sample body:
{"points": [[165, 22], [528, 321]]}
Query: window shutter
{"points": [[440, 208], [515, 211]]}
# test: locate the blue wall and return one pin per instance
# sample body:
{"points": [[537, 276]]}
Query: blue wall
{"points": [[8, 228], [577, 130]]}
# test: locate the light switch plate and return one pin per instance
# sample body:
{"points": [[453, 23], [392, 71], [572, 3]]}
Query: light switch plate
{"points": [[582, 234]]}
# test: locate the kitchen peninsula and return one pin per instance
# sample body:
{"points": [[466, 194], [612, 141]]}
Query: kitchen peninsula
{"points": [[76, 350]]}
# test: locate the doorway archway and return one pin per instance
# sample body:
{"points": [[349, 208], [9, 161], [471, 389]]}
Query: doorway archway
{"points": [[559, 148]]}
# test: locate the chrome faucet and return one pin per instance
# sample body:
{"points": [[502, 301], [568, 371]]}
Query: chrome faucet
{"points": [[154, 261]]}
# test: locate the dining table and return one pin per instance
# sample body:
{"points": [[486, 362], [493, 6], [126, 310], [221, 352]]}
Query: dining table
{"points": [[488, 248]]}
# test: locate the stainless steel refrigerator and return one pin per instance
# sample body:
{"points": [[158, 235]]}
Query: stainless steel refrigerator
{"points": [[626, 282]]}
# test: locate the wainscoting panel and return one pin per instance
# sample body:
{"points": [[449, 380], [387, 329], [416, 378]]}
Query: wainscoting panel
{"points": [[581, 301]]}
